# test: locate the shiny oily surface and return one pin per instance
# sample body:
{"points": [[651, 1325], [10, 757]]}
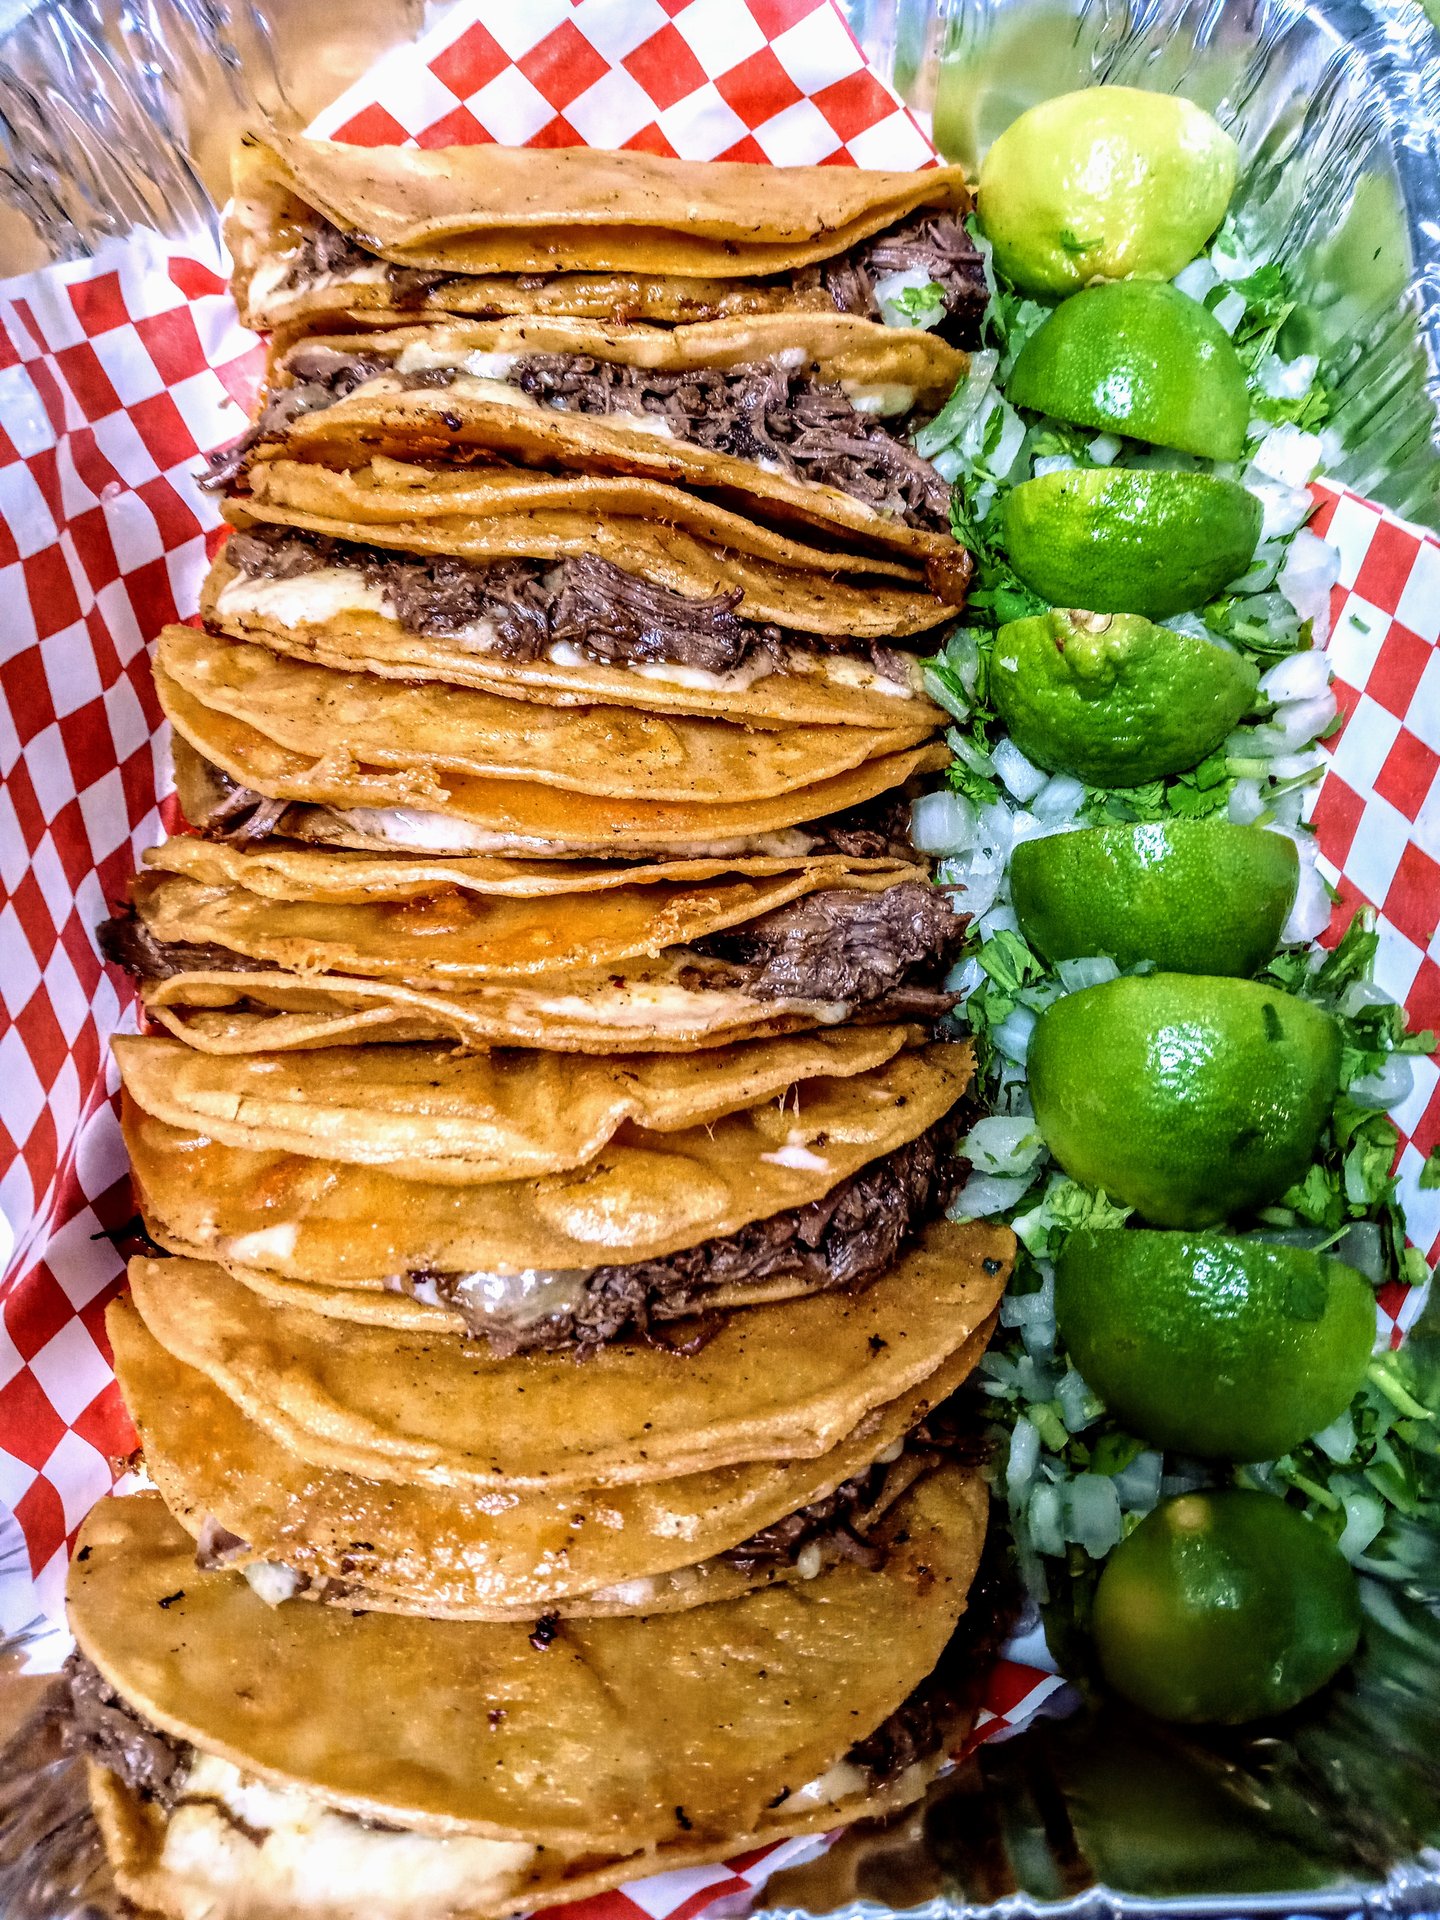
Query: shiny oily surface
{"points": [[487, 1554], [428, 1113], [776, 1382], [467, 1727], [647, 1195]]}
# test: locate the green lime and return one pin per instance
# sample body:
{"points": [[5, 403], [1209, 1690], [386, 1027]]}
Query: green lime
{"points": [[1138, 357], [1224, 1607], [1120, 541], [1194, 896], [1230, 1349], [1113, 699], [1184, 1097], [1104, 183]]}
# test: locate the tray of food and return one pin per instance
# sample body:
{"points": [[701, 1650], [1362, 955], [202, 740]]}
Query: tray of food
{"points": [[890, 693]]}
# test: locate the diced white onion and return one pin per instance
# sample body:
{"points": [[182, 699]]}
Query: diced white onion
{"points": [[1019, 775], [987, 1193], [1077, 1404], [1310, 915], [1229, 310], [1012, 1036], [888, 289], [1310, 570], [1093, 1519], [1046, 1520], [1053, 463], [1286, 454], [1283, 508], [1337, 1441], [1245, 805], [1288, 379], [1059, 800], [1364, 1517], [1197, 279], [1298, 722], [1364, 993], [1188, 623], [1002, 1143], [1394, 1083], [943, 823], [1000, 919], [1009, 445], [1104, 449], [964, 977], [1024, 1459], [1138, 1485], [962, 408], [1302, 675], [1297, 766], [1093, 971]]}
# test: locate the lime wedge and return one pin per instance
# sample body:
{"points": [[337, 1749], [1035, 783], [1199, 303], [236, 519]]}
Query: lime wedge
{"points": [[1138, 357], [1194, 896], [1119, 541], [1187, 1098], [1103, 183], [1113, 699], [1230, 1349]]}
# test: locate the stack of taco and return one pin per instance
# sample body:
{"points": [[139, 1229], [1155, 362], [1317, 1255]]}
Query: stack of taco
{"points": [[547, 1365]]}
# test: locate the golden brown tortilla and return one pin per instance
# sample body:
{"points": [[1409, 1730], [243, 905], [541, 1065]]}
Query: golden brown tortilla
{"points": [[342, 629], [455, 1554], [415, 740], [781, 1382], [612, 235], [342, 1225], [427, 1113], [680, 539], [599, 1739]]}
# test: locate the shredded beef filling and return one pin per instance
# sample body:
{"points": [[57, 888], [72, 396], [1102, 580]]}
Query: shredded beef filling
{"points": [[109, 1730], [128, 943], [841, 943], [848, 1238], [915, 1731], [832, 1523], [760, 411], [935, 243], [530, 606]]}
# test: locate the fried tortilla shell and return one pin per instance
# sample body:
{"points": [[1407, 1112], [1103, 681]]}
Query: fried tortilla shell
{"points": [[336, 618], [459, 939], [215, 1875], [339, 801], [342, 1225], [276, 871], [680, 539], [421, 735], [481, 411], [638, 1004], [429, 1114], [780, 1382], [641, 234], [651, 1547]]}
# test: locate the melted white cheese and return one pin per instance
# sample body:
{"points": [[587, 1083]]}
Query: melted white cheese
{"points": [[309, 599], [882, 400], [308, 1859], [258, 1249], [427, 832]]}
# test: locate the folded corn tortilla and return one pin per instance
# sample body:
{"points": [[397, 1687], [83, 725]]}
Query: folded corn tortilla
{"points": [[796, 420], [316, 229], [431, 1114], [651, 1547], [780, 1382], [340, 1225], [514, 1774]]}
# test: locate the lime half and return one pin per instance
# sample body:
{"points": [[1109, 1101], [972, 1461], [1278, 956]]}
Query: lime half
{"points": [[1230, 1349], [1194, 896], [1119, 541], [1138, 357], [1103, 183], [1224, 1607], [1114, 699], [1187, 1098]]}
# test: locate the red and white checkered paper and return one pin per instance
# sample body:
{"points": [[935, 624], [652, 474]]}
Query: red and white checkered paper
{"points": [[118, 373]]}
